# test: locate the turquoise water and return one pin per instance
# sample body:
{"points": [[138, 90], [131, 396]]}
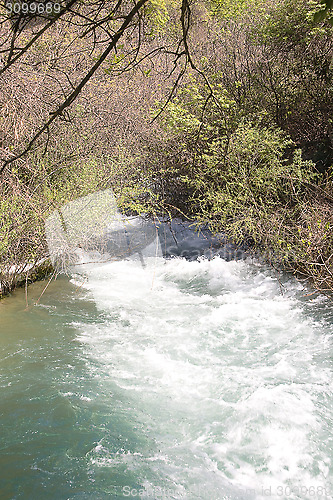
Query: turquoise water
{"points": [[184, 380]]}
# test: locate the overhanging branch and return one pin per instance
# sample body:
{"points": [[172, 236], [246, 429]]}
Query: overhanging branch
{"points": [[71, 98]]}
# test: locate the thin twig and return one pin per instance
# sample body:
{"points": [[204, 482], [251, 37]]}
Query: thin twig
{"points": [[54, 274]]}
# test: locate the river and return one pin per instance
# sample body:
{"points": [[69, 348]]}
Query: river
{"points": [[183, 380]]}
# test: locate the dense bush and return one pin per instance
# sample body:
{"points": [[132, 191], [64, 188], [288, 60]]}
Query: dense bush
{"points": [[244, 144]]}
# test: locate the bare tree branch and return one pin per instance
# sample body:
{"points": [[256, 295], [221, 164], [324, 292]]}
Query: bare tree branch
{"points": [[70, 99], [10, 61]]}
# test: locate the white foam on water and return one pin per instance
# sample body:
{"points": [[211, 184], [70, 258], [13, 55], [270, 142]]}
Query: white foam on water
{"points": [[226, 380]]}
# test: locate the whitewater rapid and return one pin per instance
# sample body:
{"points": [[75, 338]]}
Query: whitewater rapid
{"points": [[209, 379]]}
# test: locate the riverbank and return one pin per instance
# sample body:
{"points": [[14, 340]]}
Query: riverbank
{"points": [[24, 275], [307, 253]]}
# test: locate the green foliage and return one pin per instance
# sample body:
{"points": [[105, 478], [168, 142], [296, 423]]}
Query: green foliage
{"points": [[201, 117], [293, 23], [291, 76], [35, 191], [158, 15], [21, 231], [236, 170], [234, 9], [324, 11]]}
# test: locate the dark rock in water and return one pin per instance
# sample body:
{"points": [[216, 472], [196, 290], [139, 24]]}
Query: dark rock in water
{"points": [[91, 230], [179, 238]]}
